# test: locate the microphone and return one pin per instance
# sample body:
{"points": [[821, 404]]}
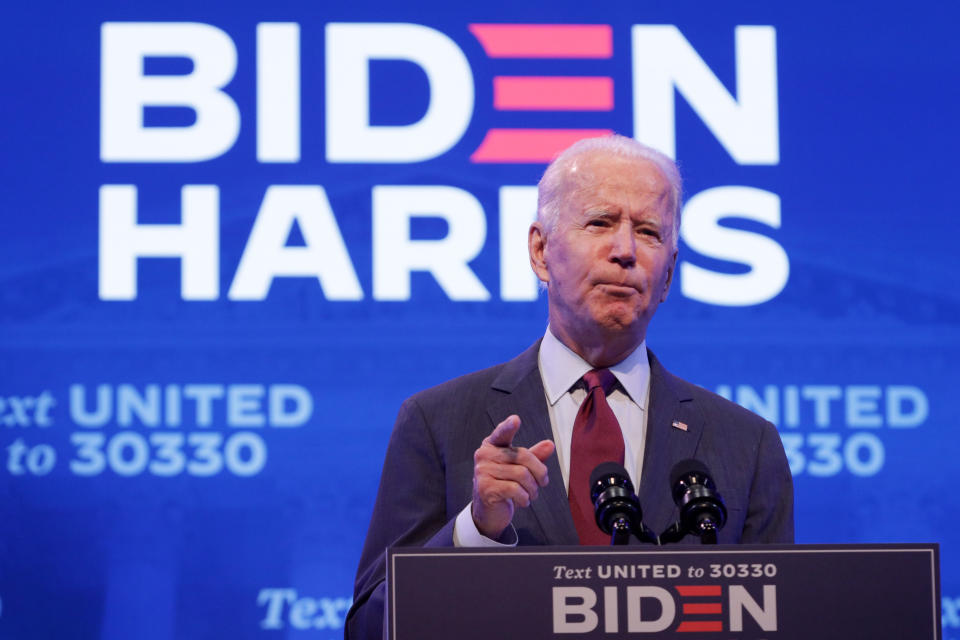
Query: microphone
{"points": [[616, 507], [702, 511]]}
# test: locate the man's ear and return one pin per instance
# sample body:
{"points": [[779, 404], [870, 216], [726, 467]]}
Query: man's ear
{"points": [[666, 285], [537, 246]]}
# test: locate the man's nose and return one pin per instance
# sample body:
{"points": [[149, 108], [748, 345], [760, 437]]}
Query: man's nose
{"points": [[623, 249]]}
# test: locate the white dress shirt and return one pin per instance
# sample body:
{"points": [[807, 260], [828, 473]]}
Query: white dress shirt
{"points": [[561, 370]]}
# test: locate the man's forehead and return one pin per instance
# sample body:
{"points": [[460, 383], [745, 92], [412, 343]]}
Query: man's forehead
{"points": [[596, 168]]}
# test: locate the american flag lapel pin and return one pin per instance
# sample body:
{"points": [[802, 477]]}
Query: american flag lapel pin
{"points": [[680, 425]]}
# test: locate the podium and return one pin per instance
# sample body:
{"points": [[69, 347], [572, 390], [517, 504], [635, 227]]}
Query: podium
{"points": [[746, 592]]}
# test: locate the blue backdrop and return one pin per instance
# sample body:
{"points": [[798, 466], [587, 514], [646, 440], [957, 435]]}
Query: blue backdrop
{"points": [[235, 238]]}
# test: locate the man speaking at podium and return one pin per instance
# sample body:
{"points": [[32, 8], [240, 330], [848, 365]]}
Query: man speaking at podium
{"points": [[503, 456]]}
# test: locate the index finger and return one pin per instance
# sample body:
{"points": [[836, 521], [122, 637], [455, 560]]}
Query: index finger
{"points": [[502, 435]]}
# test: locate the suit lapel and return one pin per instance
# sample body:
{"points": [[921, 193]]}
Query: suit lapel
{"points": [[665, 444], [519, 389]]}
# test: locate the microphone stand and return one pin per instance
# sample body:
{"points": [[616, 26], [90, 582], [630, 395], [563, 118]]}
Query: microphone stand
{"points": [[708, 532], [706, 529], [621, 530], [674, 534]]}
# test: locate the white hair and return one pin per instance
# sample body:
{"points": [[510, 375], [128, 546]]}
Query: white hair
{"points": [[553, 182]]}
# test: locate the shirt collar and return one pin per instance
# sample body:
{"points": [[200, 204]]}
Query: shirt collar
{"points": [[561, 368]]}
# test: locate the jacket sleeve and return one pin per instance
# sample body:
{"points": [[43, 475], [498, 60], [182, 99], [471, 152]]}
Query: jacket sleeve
{"points": [[770, 512], [410, 510]]}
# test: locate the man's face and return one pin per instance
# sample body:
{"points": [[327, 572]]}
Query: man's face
{"points": [[609, 259]]}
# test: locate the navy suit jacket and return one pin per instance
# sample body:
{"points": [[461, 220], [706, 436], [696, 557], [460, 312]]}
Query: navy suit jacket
{"points": [[427, 475]]}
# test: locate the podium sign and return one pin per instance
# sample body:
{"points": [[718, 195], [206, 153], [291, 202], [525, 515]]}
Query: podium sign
{"points": [[749, 592]]}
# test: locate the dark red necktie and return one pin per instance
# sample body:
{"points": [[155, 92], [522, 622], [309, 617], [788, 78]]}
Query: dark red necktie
{"points": [[596, 438]]}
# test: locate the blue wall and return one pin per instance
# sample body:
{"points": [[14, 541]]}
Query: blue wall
{"points": [[200, 460]]}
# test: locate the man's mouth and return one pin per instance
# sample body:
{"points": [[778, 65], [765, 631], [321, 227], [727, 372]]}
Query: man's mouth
{"points": [[615, 289]]}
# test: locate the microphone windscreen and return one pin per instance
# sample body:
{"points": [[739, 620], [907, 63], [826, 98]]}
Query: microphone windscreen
{"points": [[605, 469], [685, 467]]}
